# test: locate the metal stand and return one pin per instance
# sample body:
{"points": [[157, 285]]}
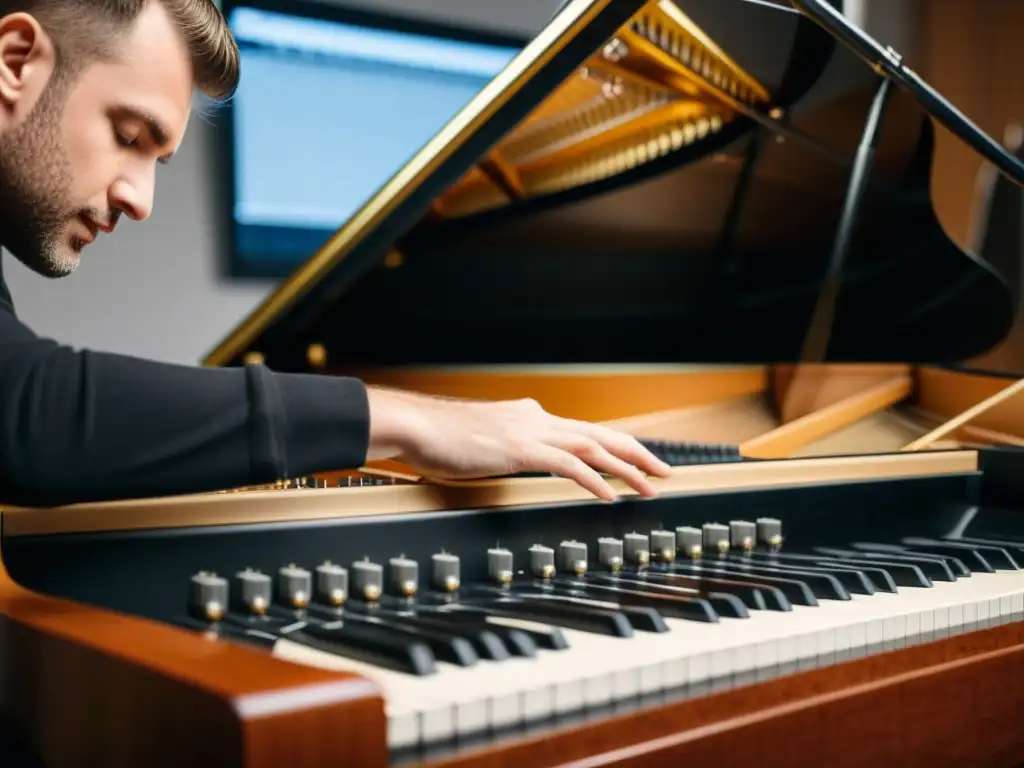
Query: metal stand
{"points": [[820, 329], [889, 64]]}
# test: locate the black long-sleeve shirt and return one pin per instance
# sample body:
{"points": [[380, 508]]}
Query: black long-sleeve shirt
{"points": [[87, 426]]}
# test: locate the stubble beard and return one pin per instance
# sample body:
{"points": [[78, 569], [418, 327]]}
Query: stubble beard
{"points": [[34, 178]]}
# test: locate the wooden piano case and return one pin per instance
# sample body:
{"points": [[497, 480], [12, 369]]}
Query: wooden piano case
{"points": [[632, 224]]}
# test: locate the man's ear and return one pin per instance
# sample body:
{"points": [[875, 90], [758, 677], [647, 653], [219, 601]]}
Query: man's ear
{"points": [[27, 59]]}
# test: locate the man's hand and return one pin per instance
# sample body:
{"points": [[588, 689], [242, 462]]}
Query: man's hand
{"points": [[462, 439]]}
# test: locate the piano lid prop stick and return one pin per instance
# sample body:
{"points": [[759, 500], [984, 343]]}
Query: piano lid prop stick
{"points": [[971, 413], [820, 329], [888, 63]]}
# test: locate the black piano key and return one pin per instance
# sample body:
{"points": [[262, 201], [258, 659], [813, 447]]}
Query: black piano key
{"points": [[759, 597], [365, 642], [1013, 544], [723, 604], [936, 569], [676, 454], [545, 637], [642, 617], [997, 557], [484, 641], [751, 595], [447, 646], [880, 579], [974, 560], [350, 639], [672, 606], [516, 642], [887, 575], [824, 585], [897, 574], [796, 590], [555, 610], [854, 579], [955, 564]]}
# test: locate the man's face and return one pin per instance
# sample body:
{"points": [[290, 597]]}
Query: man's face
{"points": [[74, 157]]}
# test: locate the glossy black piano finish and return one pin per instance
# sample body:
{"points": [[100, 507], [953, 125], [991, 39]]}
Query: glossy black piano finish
{"points": [[715, 252], [146, 572]]}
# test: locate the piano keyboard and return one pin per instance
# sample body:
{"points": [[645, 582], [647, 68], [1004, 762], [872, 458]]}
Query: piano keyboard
{"points": [[649, 616]]}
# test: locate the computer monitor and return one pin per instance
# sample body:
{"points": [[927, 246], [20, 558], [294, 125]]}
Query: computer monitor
{"points": [[332, 103]]}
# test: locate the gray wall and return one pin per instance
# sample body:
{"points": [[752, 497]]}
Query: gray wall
{"points": [[153, 289]]}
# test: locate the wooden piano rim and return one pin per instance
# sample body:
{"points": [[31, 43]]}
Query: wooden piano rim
{"points": [[919, 704], [279, 506], [74, 680]]}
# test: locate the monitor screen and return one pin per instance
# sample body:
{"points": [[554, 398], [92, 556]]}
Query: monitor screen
{"points": [[327, 111]]}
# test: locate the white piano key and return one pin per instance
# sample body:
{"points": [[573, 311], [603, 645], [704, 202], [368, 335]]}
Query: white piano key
{"points": [[597, 670]]}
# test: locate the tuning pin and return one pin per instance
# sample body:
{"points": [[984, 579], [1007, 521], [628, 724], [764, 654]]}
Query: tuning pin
{"points": [[716, 538], [367, 580], [253, 591], [542, 561], [499, 565], [405, 576], [769, 532], [573, 556], [636, 549], [663, 546], [688, 541], [742, 535], [446, 575], [208, 596], [331, 584], [294, 585], [610, 553]]}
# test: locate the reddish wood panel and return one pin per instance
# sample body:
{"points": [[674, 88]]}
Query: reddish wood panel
{"points": [[86, 687], [955, 702]]}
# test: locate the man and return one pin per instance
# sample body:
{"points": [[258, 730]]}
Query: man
{"points": [[93, 95]]}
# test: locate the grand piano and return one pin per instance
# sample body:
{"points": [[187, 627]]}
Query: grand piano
{"points": [[708, 223]]}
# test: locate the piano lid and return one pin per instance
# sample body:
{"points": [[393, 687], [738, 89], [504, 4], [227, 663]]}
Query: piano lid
{"points": [[657, 181]]}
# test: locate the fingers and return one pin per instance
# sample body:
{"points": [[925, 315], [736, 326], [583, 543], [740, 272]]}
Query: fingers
{"points": [[598, 457], [630, 449], [546, 458], [624, 446], [581, 451]]}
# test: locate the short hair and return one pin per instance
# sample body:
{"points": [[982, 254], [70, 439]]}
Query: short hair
{"points": [[83, 30]]}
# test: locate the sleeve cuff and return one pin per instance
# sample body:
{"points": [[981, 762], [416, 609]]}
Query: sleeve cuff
{"points": [[325, 423]]}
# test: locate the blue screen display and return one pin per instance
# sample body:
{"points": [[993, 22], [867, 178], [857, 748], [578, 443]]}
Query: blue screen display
{"points": [[325, 114]]}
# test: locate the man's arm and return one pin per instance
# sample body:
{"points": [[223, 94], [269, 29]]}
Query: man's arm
{"points": [[84, 426], [89, 426]]}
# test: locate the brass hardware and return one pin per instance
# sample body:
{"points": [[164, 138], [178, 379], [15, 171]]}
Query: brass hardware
{"points": [[316, 355]]}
